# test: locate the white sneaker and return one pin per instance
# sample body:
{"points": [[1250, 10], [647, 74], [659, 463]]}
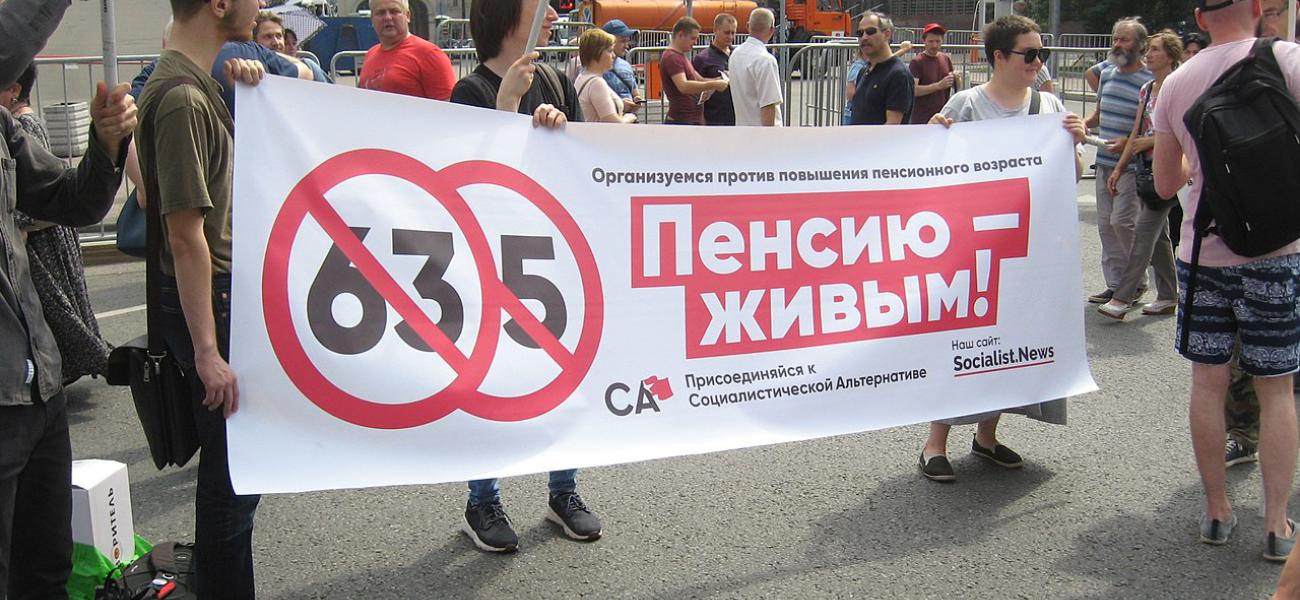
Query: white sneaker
{"points": [[1115, 311], [1161, 307]]}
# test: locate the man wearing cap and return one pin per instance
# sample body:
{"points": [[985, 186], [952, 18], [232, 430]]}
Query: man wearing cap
{"points": [[933, 72], [622, 78], [1251, 298]]}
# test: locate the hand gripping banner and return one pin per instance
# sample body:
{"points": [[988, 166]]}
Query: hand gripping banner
{"points": [[426, 292]]}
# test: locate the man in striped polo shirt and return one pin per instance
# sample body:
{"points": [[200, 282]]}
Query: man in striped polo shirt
{"points": [[1117, 107]]}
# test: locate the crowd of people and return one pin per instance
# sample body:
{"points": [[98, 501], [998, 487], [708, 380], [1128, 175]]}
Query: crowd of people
{"points": [[176, 144]]}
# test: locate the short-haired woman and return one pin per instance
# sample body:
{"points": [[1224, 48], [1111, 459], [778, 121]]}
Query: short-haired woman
{"points": [[598, 101]]}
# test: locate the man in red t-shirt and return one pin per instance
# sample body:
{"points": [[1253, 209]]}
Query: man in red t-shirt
{"points": [[682, 84], [402, 63], [935, 78]]}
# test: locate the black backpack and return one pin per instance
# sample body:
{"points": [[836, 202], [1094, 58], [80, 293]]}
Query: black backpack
{"points": [[1247, 132], [166, 572]]}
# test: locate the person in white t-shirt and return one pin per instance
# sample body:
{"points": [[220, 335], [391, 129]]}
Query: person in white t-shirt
{"points": [[755, 78], [1014, 46], [598, 101]]}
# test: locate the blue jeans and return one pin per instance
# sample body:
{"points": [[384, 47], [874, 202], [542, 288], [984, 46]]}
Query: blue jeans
{"points": [[488, 490], [223, 521]]}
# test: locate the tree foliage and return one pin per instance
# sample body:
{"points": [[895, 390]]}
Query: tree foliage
{"points": [[1100, 15]]}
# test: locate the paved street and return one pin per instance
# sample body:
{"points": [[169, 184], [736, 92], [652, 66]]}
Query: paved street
{"points": [[1105, 508]]}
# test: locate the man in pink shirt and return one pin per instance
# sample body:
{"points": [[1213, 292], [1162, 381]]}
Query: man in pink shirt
{"points": [[1252, 299], [402, 63]]}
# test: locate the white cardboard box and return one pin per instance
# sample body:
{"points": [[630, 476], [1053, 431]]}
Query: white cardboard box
{"points": [[101, 508]]}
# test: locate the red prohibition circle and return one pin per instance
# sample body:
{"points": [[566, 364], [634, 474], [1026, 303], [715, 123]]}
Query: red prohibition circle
{"points": [[308, 197]]}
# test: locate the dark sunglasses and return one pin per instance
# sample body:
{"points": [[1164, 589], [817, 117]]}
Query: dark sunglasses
{"points": [[1033, 54], [868, 31]]}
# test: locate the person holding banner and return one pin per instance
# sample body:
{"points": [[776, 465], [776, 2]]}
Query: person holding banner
{"points": [[185, 148], [1014, 46], [506, 33]]}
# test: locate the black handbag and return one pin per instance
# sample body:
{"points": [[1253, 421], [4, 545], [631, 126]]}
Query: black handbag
{"points": [[162, 392], [1145, 179], [1143, 175]]}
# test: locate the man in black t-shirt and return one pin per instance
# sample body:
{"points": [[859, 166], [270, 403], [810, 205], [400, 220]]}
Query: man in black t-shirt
{"points": [[710, 63], [508, 79], [885, 92]]}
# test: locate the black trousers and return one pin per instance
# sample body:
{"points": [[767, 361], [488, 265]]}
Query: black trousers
{"points": [[35, 500], [223, 520]]}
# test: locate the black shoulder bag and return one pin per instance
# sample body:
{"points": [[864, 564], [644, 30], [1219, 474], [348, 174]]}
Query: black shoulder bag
{"points": [[159, 387], [1144, 176]]}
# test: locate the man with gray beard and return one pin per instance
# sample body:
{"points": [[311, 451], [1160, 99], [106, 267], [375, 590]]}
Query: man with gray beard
{"points": [[1117, 108]]}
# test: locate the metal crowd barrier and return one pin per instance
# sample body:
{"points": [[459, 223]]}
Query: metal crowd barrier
{"points": [[73, 79], [452, 33], [565, 33], [814, 76], [305, 55], [1085, 40]]}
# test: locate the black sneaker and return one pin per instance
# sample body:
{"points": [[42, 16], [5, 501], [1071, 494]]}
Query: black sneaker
{"points": [[1102, 296], [1001, 455], [1234, 453], [937, 468], [572, 515], [489, 528]]}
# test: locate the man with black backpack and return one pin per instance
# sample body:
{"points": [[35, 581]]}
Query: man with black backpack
{"points": [[1231, 114]]}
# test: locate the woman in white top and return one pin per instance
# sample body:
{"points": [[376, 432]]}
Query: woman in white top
{"points": [[1014, 48], [598, 101]]}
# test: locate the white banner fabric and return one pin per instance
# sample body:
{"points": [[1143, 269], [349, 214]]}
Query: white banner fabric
{"points": [[426, 292]]}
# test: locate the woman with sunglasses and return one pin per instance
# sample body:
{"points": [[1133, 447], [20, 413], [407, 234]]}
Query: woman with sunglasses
{"points": [[1151, 244], [1014, 46]]}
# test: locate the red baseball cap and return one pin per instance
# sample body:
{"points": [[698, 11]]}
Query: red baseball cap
{"points": [[933, 27]]}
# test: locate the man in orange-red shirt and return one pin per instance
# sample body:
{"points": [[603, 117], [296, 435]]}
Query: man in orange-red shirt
{"points": [[402, 63]]}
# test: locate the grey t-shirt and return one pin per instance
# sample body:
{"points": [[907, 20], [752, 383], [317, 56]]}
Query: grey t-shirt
{"points": [[975, 104]]}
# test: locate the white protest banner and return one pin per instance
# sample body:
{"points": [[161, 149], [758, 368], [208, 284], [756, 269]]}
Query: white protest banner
{"points": [[426, 292]]}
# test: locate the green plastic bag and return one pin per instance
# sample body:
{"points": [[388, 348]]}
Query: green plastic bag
{"points": [[90, 567]]}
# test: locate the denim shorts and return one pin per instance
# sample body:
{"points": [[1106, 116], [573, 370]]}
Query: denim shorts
{"points": [[1256, 302]]}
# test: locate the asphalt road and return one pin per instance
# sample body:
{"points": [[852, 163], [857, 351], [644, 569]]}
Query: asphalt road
{"points": [[1106, 507]]}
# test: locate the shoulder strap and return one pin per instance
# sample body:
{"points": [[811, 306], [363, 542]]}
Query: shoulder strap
{"points": [[1262, 53], [1035, 102], [153, 224], [1144, 97], [585, 84], [862, 74], [552, 83]]}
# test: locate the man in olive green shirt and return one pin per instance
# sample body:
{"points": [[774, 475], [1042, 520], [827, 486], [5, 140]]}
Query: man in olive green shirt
{"points": [[185, 147]]}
